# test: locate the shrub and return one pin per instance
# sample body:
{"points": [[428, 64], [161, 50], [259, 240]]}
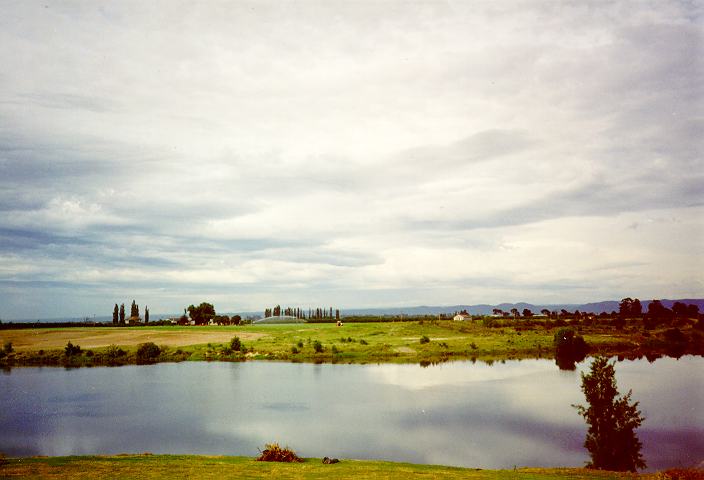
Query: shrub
{"points": [[147, 352], [489, 322], [72, 349], [473, 346], [681, 474], [300, 344], [675, 335], [7, 348], [318, 347], [273, 453], [424, 339], [569, 348], [335, 350], [113, 352], [363, 342], [294, 350], [236, 344]]}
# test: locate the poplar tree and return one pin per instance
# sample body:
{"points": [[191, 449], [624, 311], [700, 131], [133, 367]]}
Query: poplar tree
{"points": [[122, 314], [115, 314]]}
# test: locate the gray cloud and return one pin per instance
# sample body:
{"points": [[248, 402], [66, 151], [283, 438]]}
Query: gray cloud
{"points": [[348, 152]]}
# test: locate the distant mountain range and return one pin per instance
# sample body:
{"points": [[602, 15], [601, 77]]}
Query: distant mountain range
{"points": [[479, 309], [485, 309]]}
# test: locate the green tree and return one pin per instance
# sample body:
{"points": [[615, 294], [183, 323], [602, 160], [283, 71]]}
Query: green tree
{"points": [[146, 314], [202, 313], [115, 314], [122, 314], [612, 419], [134, 310]]}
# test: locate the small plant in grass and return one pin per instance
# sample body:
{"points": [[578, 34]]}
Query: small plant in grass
{"points": [[473, 346], [300, 344], [318, 347], [274, 453], [72, 349], [236, 344], [363, 342], [7, 347], [335, 351], [424, 339], [294, 350], [113, 352]]}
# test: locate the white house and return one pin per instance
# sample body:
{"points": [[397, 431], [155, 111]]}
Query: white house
{"points": [[461, 317]]}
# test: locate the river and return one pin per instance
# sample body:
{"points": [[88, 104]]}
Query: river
{"points": [[513, 413]]}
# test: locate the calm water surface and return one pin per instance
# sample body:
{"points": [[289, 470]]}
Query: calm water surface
{"points": [[512, 413]]}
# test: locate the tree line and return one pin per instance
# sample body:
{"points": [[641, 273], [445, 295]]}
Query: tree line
{"points": [[297, 312], [118, 315]]}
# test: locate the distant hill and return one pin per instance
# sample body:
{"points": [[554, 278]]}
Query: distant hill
{"points": [[486, 309]]}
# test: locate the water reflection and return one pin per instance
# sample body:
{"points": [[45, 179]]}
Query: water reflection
{"points": [[512, 413]]}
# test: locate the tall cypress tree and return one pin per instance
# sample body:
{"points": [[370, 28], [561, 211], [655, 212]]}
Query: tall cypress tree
{"points": [[134, 311], [115, 313], [146, 315], [122, 314]]}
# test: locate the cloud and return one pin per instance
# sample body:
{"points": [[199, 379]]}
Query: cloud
{"points": [[338, 152]]}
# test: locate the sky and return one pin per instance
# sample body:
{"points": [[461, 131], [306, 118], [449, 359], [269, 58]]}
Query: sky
{"points": [[348, 153]]}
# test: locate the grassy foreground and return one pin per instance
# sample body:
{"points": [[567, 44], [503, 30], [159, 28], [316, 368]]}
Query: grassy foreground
{"points": [[190, 466], [402, 342]]}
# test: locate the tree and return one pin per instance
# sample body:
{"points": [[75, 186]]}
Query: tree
{"points": [[514, 312], [122, 314], [134, 310], [527, 313], [146, 315], [624, 308], [497, 311], [115, 314], [679, 310], [202, 313], [545, 312], [611, 440], [636, 308]]}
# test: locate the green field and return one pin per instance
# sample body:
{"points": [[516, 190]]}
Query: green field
{"points": [[399, 342], [189, 466]]}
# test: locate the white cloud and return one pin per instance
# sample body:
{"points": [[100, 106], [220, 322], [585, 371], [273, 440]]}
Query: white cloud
{"points": [[325, 151]]}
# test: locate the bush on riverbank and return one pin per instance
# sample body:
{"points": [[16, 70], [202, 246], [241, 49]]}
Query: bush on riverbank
{"points": [[274, 453], [147, 353]]}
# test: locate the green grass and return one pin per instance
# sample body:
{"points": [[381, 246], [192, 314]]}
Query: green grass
{"points": [[204, 467], [389, 342]]}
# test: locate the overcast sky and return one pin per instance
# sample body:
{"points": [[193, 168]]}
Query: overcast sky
{"points": [[353, 154]]}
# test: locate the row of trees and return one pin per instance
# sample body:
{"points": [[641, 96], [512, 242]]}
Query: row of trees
{"points": [[628, 308], [204, 313], [118, 315], [313, 314]]}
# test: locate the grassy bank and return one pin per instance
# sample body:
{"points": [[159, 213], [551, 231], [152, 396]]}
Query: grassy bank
{"points": [[189, 466], [402, 342]]}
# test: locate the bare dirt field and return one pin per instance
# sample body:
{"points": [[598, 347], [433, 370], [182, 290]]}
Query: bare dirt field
{"points": [[36, 339]]}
